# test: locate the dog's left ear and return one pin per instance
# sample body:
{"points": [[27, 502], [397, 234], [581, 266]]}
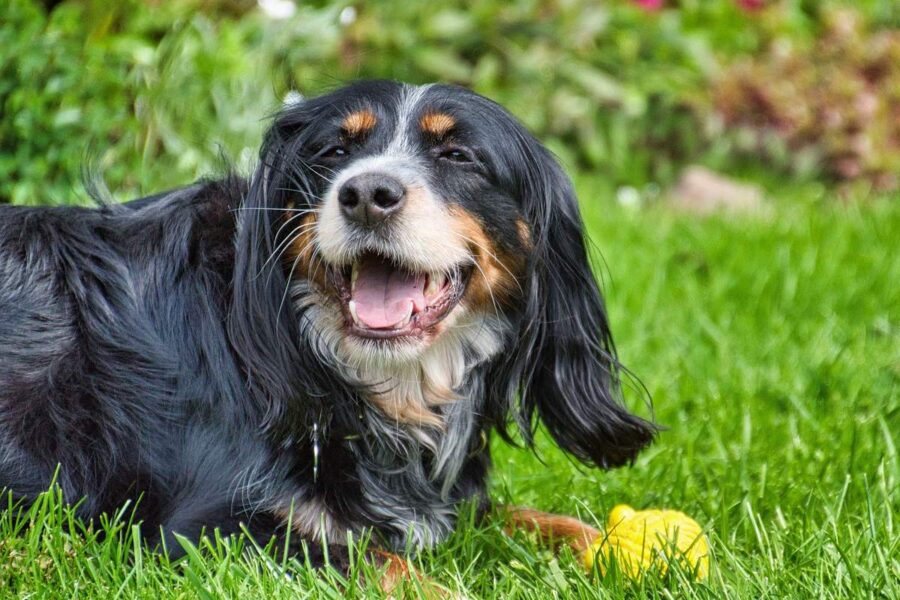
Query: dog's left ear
{"points": [[286, 379], [563, 366]]}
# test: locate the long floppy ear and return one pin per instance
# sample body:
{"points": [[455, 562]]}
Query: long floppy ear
{"points": [[263, 324], [563, 366]]}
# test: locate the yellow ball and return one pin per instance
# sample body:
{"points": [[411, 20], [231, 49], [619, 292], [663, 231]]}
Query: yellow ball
{"points": [[642, 540]]}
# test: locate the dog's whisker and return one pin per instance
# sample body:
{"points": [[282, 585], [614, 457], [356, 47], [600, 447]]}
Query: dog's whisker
{"points": [[283, 246], [272, 209], [315, 260], [287, 286], [494, 256], [302, 228], [487, 284], [275, 256], [286, 223], [307, 195], [276, 261]]}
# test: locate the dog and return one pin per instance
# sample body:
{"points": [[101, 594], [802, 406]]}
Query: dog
{"points": [[321, 349]]}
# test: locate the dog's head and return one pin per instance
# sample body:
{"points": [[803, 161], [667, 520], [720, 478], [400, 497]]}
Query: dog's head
{"points": [[426, 238]]}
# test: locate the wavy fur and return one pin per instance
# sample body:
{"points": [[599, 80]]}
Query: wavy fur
{"points": [[171, 351]]}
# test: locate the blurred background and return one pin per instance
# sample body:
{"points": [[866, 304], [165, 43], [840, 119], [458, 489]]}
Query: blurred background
{"points": [[640, 93]]}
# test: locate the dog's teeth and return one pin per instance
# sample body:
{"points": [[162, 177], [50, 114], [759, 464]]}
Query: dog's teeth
{"points": [[434, 286], [406, 319], [354, 273], [352, 307]]}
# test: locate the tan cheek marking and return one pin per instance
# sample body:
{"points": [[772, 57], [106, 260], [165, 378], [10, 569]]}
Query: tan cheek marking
{"points": [[301, 256], [359, 122], [437, 123], [496, 276], [524, 233], [401, 409]]}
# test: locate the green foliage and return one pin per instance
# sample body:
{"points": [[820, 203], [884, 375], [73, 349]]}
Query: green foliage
{"points": [[834, 105], [146, 96], [155, 94]]}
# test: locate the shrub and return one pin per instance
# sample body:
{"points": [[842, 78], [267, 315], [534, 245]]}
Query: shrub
{"points": [[153, 93], [837, 100], [144, 94]]}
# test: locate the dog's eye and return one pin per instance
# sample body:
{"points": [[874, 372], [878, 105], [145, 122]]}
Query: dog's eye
{"points": [[455, 154], [336, 151]]}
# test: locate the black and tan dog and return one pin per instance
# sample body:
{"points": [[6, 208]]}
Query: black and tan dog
{"points": [[327, 344]]}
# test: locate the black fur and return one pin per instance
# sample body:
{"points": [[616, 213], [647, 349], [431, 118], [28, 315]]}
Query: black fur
{"points": [[147, 351], [563, 365]]}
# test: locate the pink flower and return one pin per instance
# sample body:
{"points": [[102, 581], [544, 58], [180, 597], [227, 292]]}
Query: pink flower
{"points": [[650, 5], [751, 5]]}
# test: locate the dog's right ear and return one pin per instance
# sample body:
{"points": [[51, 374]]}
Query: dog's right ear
{"points": [[563, 368]]}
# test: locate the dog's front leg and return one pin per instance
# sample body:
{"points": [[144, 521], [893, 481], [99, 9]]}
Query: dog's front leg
{"points": [[402, 580]]}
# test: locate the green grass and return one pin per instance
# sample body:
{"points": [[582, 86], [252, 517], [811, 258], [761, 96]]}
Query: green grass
{"points": [[771, 347]]}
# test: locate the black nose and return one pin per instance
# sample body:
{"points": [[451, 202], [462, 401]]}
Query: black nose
{"points": [[370, 198]]}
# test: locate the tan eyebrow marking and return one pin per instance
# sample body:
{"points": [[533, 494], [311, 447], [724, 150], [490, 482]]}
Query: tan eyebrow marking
{"points": [[359, 122], [437, 123]]}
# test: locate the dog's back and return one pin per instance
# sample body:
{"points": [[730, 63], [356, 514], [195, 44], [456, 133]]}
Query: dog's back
{"points": [[115, 362]]}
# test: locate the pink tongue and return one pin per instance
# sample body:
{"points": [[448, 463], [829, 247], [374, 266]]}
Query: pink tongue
{"points": [[383, 294]]}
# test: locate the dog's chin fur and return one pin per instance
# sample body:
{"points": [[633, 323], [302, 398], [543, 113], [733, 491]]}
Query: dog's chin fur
{"points": [[422, 399], [411, 381]]}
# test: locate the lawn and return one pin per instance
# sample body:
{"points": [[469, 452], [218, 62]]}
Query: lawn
{"points": [[770, 345]]}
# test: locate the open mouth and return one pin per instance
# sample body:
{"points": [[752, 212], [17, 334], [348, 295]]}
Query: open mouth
{"points": [[381, 299]]}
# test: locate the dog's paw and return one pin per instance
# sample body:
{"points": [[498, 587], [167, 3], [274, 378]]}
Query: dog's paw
{"points": [[401, 581]]}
